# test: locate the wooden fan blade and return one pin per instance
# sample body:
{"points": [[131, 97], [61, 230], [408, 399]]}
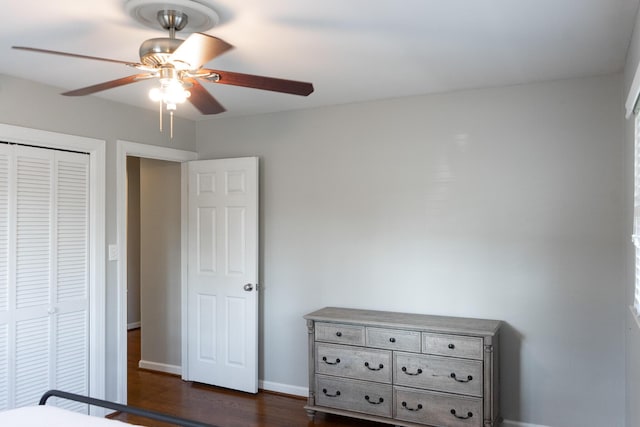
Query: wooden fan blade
{"points": [[107, 85], [265, 83], [75, 55], [198, 49], [202, 99]]}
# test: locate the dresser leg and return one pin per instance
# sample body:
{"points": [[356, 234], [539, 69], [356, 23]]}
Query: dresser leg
{"points": [[311, 414]]}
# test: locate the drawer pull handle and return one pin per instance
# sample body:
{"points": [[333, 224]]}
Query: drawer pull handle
{"points": [[380, 400], [469, 415], [324, 390], [418, 372], [453, 375], [338, 334], [324, 359], [380, 366], [404, 405], [392, 339], [451, 346]]}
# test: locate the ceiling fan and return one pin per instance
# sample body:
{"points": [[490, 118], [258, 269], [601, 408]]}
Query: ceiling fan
{"points": [[178, 65]]}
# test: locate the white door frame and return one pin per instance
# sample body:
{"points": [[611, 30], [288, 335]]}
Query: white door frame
{"points": [[97, 190], [124, 149]]}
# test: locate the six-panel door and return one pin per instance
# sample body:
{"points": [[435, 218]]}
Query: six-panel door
{"points": [[222, 298]]}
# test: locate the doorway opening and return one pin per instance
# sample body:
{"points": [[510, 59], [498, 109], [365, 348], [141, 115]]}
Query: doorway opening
{"points": [[174, 256], [153, 261]]}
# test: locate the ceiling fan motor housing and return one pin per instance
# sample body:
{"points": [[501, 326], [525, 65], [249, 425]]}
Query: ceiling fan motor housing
{"points": [[155, 52]]}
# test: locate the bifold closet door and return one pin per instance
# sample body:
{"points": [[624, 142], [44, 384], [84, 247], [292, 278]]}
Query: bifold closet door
{"points": [[44, 280]]}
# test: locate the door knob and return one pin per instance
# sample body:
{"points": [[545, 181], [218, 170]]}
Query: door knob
{"points": [[248, 287]]}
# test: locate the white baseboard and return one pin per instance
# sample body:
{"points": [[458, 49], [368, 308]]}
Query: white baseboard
{"points": [[133, 325], [509, 423], [160, 367], [283, 388]]}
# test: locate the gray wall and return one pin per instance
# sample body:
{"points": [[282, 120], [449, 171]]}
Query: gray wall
{"points": [[28, 104], [503, 203], [633, 328], [133, 242], [160, 259]]}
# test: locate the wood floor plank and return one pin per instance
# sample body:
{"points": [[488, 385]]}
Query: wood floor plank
{"points": [[217, 406]]}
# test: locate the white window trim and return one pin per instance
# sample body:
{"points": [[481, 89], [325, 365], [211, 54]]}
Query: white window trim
{"points": [[635, 237], [632, 96]]}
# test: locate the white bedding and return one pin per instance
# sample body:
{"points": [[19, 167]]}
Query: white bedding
{"points": [[50, 416]]}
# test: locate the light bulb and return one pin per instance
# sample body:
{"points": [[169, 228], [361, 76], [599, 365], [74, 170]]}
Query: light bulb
{"points": [[180, 97], [155, 94], [174, 93]]}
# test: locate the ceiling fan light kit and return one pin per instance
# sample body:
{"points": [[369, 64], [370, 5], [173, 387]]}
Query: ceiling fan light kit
{"points": [[178, 64]]}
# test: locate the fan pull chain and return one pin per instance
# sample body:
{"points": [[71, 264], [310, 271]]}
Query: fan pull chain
{"points": [[171, 126], [160, 103]]}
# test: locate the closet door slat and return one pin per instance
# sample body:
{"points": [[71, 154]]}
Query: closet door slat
{"points": [[4, 233], [72, 225], [33, 228], [4, 366], [32, 359]]}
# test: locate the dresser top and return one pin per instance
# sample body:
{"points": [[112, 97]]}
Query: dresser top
{"points": [[425, 322]]}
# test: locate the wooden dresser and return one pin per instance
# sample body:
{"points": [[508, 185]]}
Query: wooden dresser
{"points": [[404, 369]]}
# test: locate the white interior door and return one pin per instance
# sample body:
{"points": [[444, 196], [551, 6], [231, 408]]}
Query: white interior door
{"points": [[222, 298]]}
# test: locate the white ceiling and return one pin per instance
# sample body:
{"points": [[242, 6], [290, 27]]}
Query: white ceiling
{"points": [[351, 50]]}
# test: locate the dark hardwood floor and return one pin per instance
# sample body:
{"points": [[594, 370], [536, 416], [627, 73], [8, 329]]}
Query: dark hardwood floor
{"points": [[217, 406]]}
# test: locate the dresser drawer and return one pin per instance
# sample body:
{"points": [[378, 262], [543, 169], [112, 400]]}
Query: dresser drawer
{"points": [[437, 409], [339, 333], [354, 362], [360, 396], [393, 339], [448, 374], [452, 345]]}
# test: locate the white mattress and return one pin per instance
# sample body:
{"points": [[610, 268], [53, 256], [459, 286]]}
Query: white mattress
{"points": [[50, 416]]}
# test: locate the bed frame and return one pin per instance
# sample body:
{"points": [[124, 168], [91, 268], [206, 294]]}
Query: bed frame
{"points": [[158, 416]]}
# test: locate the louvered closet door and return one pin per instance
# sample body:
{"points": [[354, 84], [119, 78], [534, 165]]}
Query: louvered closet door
{"points": [[44, 231], [4, 277]]}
